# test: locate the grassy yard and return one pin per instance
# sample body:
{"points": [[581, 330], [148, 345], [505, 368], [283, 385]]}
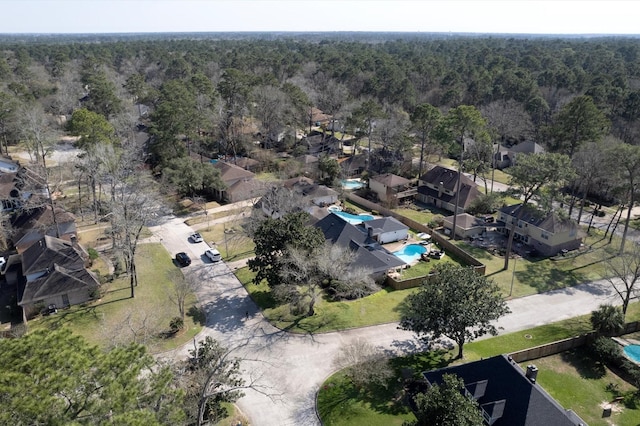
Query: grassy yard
{"points": [[578, 382], [539, 275], [568, 377], [116, 317], [233, 244], [378, 308], [217, 215]]}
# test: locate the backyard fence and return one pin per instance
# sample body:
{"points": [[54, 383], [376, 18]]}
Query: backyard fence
{"points": [[441, 240], [566, 344]]}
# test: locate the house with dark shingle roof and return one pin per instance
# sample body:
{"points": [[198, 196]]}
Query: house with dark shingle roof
{"points": [[55, 273], [386, 230], [369, 254], [507, 395], [31, 226], [547, 233], [439, 187], [319, 195]]}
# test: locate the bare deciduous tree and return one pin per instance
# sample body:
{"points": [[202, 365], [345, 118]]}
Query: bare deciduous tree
{"points": [[623, 273], [364, 364]]}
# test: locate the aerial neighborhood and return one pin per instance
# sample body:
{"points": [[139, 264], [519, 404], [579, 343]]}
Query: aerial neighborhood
{"points": [[319, 229]]}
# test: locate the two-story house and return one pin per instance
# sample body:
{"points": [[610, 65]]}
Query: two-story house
{"points": [[240, 183], [391, 188], [547, 233], [439, 187], [55, 274]]}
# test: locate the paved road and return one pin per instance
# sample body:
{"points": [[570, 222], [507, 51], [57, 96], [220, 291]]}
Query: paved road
{"points": [[292, 367]]}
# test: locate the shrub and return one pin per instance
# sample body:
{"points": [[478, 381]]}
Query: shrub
{"points": [[606, 351], [176, 324], [93, 253]]}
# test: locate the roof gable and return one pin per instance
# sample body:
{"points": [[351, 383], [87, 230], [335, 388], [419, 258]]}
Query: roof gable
{"points": [[390, 180], [550, 222], [59, 280], [230, 172], [448, 178], [386, 224], [46, 252], [525, 403], [369, 253]]}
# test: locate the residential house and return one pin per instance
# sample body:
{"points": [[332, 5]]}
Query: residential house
{"points": [[55, 274], [308, 165], [547, 233], [320, 195], [391, 188], [318, 118], [467, 226], [353, 166], [386, 230], [369, 254], [439, 187], [32, 225], [318, 143], [506, 156], [240, 183], [507, 395]]}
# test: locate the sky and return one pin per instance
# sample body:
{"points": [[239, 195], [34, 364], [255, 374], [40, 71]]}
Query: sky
{"points": [[466, 16]]}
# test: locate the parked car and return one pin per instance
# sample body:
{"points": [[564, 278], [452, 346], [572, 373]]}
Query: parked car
{"points": [[213, 255], [183, 259], [195, 238]]}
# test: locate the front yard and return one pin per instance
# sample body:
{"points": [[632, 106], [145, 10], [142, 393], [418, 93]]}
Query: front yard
{"points": [[378, 308], [118, 318]]}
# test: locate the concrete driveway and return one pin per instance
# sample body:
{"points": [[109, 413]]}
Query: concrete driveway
{"points": [[288, 369]]}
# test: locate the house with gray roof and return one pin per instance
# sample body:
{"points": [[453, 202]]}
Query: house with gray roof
{"points": [[439, 187], [55, 274], [369, 254], [386, 230], [547, 233], [507, 156], [507, 395]]}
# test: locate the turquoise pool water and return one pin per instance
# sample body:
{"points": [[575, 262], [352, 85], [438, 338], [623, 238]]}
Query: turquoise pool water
{"points": [[633, 352], [352, 184], [410, 253], [352, 218]]}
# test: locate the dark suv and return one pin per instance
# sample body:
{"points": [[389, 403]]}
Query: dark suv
{"points": [[183, 259]]}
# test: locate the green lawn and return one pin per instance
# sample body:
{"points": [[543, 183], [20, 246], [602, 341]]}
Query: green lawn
{"points": [[579, 383], [567, 377], [540, 275], [116, 316], [378, 308], [233, 244]]}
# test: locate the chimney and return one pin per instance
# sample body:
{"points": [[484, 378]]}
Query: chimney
{"points": [[532, 372], [440, 189]]}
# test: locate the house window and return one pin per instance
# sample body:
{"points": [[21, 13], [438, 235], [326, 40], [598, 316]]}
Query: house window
{"points": [[572, 232], [544, 236], [65, 300]]}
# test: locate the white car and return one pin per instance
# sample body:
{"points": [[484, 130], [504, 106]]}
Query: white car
{"points": [[213, 255], [196, 238]]}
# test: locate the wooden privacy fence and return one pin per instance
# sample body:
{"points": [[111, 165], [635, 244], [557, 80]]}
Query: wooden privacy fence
{"points": [[441, 240], [566, 344]]}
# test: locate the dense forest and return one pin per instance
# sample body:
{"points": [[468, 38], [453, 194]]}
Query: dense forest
{"points": [[221, 94]]}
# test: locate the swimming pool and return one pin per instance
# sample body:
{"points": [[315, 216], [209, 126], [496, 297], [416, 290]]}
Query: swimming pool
{"points": [[410, 253], [352, 184], [353, 219], [633, 352]]}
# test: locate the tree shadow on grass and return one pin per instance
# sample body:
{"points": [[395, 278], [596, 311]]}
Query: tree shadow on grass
{"points": [[587, 367], [340, 399], [543, 278]]}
